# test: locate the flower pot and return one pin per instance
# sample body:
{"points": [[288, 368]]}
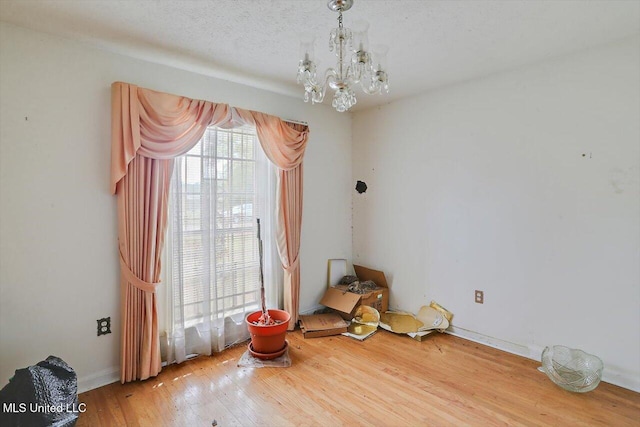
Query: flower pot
{"points": [[267, 339]]}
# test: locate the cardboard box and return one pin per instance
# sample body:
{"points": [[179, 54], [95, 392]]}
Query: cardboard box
{"points": [[322, 325], [345, 302]]}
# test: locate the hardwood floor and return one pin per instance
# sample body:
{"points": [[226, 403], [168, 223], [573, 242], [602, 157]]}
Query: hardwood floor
{"points": [[387, 380]]}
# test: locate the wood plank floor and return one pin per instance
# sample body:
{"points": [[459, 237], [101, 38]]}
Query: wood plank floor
{"points": [[387, 380]]}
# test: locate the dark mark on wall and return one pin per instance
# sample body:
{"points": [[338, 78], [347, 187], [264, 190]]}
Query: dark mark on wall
{"points": [[361, 187]]}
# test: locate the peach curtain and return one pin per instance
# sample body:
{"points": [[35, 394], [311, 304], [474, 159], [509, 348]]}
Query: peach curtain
{"points": [[148, 129], [284, 144], [142, 201]]}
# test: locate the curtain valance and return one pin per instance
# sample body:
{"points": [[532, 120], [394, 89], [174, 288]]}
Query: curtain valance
{"points": [[289, 153], [158, 125]]}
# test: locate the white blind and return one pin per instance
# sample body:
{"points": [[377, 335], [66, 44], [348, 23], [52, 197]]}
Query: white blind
{"points": [[213, 221]]}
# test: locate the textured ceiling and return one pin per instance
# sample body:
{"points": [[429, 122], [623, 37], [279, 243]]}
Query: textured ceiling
{"points": [[431, 42]]}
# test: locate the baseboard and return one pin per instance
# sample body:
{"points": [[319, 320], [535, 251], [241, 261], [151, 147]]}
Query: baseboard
{"points": [[509, 347], [104, 377], [610, 375], [621, 379]]}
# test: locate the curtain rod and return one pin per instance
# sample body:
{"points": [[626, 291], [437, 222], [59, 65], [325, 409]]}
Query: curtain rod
{"points": [[297, 122]]}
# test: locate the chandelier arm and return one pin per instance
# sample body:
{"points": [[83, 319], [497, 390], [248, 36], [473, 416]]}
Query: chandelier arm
{"points": [[330, 75], [323, 86], [369, 89]]}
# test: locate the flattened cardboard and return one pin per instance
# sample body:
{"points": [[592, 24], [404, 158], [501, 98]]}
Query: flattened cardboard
{"points": [[346, 302], [322, 325], [401, 323]]}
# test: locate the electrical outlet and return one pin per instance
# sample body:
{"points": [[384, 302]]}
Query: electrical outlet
{"points": [[480, 297], [104, 326]]}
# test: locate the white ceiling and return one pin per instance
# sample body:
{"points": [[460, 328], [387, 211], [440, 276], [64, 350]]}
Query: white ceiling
{"points": [[431, 42]]}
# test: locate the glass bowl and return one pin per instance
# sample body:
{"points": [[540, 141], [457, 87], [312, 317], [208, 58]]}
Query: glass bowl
{"points": [[572, 369]]}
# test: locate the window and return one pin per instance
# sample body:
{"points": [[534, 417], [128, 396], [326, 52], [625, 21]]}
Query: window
{"points": [[215, 201]]}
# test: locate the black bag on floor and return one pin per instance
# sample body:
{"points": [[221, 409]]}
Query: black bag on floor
{"points": [[42, 395]]}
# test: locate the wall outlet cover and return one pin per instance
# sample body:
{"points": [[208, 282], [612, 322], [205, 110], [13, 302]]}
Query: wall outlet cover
{"points": [[104, 326]]}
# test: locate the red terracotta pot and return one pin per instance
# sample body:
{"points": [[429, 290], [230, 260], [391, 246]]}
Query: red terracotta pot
{"points": [[268, 338]]}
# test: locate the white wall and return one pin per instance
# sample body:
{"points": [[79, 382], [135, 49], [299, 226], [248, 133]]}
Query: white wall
{"points": [[525, 185], [58, 249]]}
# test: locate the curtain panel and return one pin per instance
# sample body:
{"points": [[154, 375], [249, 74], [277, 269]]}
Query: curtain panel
{"points": [[148, 130], [284, 144]]}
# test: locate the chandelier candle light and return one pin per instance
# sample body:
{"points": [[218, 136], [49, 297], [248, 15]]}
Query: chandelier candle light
{"points": [[355, 64]]}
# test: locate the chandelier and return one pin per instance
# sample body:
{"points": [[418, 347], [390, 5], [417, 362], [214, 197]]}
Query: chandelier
{"points": [[355, 64]]}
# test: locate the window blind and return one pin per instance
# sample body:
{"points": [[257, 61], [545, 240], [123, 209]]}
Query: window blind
{"points": [[214, 209]]}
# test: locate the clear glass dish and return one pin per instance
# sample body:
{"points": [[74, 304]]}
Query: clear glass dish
{"points": [[572, 369]]}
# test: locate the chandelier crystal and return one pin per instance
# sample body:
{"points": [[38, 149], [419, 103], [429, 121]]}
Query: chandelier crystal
{"points": [[355, 64]]}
